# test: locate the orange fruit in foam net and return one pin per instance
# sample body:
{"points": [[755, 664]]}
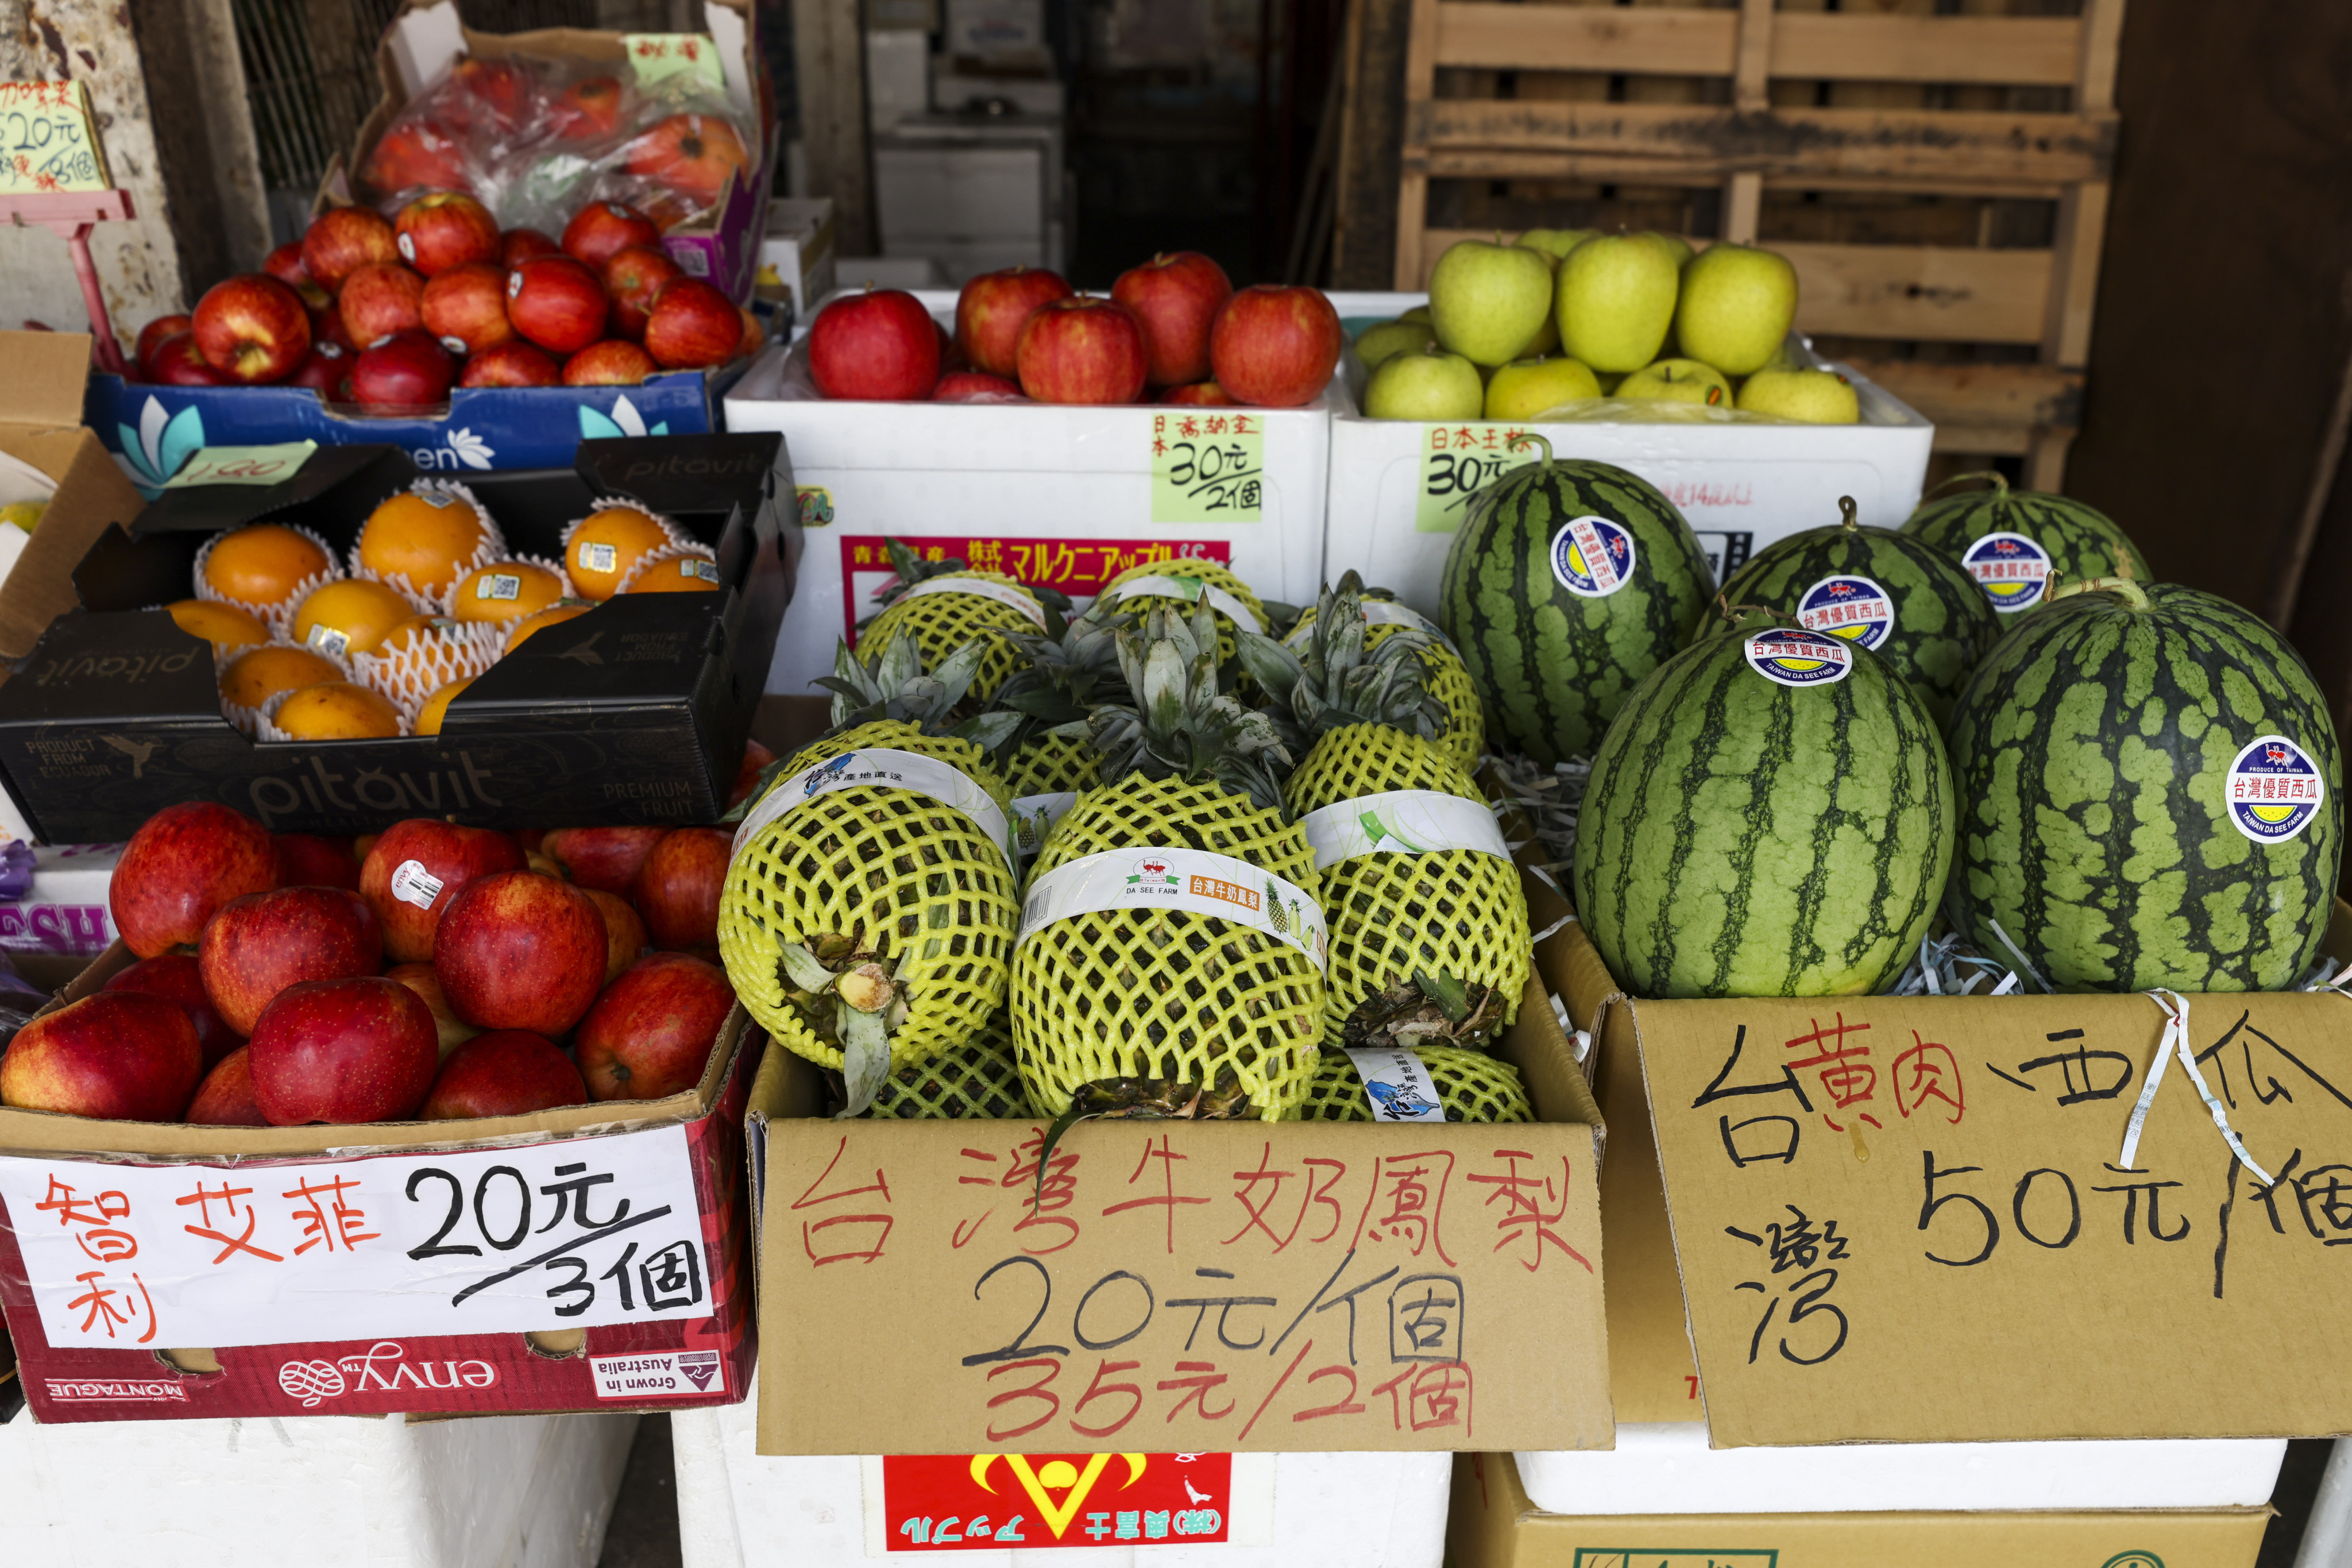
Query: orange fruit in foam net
{"points": [[225, 626], [337, 710], [350, 617], [553, 616], [427, 537], [506, 591], [262, 564], [253, 678], [437, 707], [606, 546], [678, 574], [405, 636]]}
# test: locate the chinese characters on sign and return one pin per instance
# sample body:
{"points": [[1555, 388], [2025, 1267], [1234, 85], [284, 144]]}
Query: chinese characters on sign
{"points": [[1079, 567], [1457, 460], [1036, 1502], [47, 145], [1208, 465]]}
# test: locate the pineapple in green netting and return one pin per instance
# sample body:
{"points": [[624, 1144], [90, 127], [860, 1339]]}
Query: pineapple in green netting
{"points": [[1463, 731], [1471, 1085], [1059, 681], [1180, 584], [1428, 924], [1125, 1000], [974, 1080], [942, 605], [865, 923]]}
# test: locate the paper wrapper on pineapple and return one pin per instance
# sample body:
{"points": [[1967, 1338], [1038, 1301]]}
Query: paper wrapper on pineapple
{"points": [[943, 605], [1468, 1086], [1173, 583]]}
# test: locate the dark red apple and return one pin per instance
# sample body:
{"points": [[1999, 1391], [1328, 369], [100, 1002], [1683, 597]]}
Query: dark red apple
{"points": [[407, 372], [517, 364], [177, 362], [379, 300], [285, 263], [1200, 394], [691, 153], [252, 328], [613, 363], [678, 887], [602, 230], [341, 240], [489, 96], [453, 1030], [466, 308], [183, 864], [521, 244], [975, 386], [356, 1049], [416, 155], [991, 308], [1275, 347], [756, 759], [178, 979], [327, 327], [623, 930], [416, 868], [880, 346], [116, 1057], [557, 304], [1083, 349], [225, 1097], [650, 1034], [151, 336], [507, 1072], [1175, 298], [587, 109], [520, 951], [257, 946], [323, 369], [634, 277], [694, 326], [604, 858], [307, 860], [442, 229]]}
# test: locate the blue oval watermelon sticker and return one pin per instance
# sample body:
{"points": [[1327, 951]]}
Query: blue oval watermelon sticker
{"points": [[1789, 656], [2273, 789], [1592, 557], [2013, 570], [1854, 608]]}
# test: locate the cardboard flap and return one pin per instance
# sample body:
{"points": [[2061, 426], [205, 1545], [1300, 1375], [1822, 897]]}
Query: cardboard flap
{"points": [[93, 497], [46, 372], [208, 508]]}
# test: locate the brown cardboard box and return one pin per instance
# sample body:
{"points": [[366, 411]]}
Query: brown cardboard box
{"points": [[1493, 1525], [41, 380]]}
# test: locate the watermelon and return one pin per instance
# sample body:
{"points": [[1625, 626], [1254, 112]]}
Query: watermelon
{"points": [[2152, 786], [1890, 593], [1555, 641], [2019, 544], [1770, 815]]}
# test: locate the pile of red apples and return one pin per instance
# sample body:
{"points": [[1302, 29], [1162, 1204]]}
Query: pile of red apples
{"points": [[1171, 331]]}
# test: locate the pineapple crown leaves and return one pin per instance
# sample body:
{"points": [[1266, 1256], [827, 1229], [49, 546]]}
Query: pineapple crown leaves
{"points": [[895, 686], [1333, 679], [1180, 726], [908, 569], [1069, 673]]}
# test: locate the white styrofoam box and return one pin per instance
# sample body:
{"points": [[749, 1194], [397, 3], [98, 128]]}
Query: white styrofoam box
{"points": [[502, 1491], [1741, 486], [800, 249], [972, 192], [898, 76], [997, 29], [1668, 1467], [1041, 477], [952, 89], [65, 909], [736, 1509]]}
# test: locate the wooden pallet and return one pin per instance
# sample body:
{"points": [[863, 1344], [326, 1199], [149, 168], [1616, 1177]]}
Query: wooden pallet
{"points": [[1913, 306]]}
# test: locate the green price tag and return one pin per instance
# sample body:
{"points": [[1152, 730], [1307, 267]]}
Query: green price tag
{"points": [[47, 141], [1457, 460], [658, 57], [1208, 465], [243, 466]]}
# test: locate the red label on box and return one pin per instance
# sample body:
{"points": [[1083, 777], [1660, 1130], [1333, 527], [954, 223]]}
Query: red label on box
{"points": [[990, 1501], [1079, 567]]}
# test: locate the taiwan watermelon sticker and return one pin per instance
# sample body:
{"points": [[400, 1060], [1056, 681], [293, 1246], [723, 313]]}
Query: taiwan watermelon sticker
{"points": [[1592, 557], [1794, 657], [1853, 608], [2274, 790], [2013, 570]]}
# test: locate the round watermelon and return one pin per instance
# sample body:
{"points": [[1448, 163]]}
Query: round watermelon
{"points": [[1770, 815], [2021, 544], [2152, 786], [1888, 591], [1568, 581]]}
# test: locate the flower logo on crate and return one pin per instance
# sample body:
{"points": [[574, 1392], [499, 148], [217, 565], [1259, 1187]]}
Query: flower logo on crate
{"points": [[153, 453], [624, 420]]}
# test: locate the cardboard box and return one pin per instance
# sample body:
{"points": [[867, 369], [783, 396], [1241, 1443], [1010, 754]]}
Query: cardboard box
{"points": [[1400, 488], [634, 712], [1493, 1525], [797, 263], [592, 1258], [1067, 496], [41, 379], [65, 913], [1400, 1287]]}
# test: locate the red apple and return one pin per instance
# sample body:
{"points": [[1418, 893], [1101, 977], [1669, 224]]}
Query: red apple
{"points": [[416, 868], [355, 1049], [407, 372], [489, 96], [756, 761], [588, 109], [327, 327], [341, 240], [520, 951], [604, 858], [379, 299], [1082, 350], [1200, 394], [991, 308], [178, 364], [323, 369], [466, 308], [975, 386], [225, 1097], [507, 1072], [1275, 347], [693, 326], [880, 346], [307, 860], [252, 328], [612, 362], [178, 979], [285, 263], [453, 1030], [602, 230], [517, 364], [416, 155], [678, 887], [116, 1057], [755, 334], [623, 930], [1175, 298], [257, 945], [184, 863], [557, 304], [521, 244], [152, 337], [442, 229], [691, 153], [633, 277], [650, 1034]]}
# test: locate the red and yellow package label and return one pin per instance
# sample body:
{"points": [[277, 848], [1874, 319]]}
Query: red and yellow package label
{"points": [[990, 1501]]}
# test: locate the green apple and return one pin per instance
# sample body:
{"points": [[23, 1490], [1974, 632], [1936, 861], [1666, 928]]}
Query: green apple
{"points": [[1390, 338], [1525, 388], [1557, 242], [1425, 383], [1736, 304], [1487, 300], [1418, 313], [1814, 396], [1678, 380], [1615, 302], [1610, 382], [1676, 245]]}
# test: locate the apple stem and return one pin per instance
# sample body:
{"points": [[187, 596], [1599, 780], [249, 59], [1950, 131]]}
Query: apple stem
{"points": [[1849, 515], [1525, 437], [2000, 483]]}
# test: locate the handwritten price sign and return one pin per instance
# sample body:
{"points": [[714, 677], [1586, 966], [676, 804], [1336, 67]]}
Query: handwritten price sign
{"points": [[48, 143], [1457, 462], [1208, 465], [1914, 1219]]}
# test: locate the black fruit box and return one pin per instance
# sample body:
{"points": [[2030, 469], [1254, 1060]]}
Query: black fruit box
{"points": [[636, 712]]}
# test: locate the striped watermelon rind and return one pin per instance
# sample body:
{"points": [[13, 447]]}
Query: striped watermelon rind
{"points": [[2081, 542]]}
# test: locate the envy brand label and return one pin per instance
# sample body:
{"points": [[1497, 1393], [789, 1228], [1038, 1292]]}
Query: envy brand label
{"points": [[657, 1375], [413, 884], [384, 1369], [1592, 557], [2273, 789], [1397, 1085], [2013, 570], [1854, 608], [1793, 658]]}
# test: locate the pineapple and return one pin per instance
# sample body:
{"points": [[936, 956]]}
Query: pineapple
{"points": [[1061, 681], [1463, 731], [1172, 1010], [941, 606], [1193, 580], [973, 1081], [1471, 1085], [868, 927], [1421, 933]]}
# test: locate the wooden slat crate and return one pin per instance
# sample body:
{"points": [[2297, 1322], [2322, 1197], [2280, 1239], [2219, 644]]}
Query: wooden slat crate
{"points": [[1786, 120]]}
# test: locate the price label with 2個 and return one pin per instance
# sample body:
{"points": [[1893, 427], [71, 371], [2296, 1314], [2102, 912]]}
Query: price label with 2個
{"points": [[47, 141], [1207, 466]]}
